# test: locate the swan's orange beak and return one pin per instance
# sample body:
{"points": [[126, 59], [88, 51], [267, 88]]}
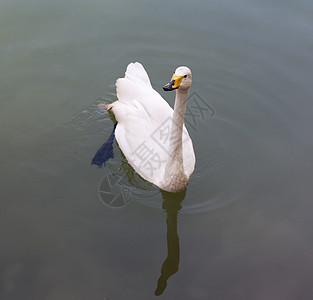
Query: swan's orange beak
{"points": [[174, 83]]}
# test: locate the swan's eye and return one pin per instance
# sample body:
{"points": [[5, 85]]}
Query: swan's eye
{"points": [[185, 76]]}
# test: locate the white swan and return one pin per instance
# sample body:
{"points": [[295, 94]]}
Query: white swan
{"points": [[151, 135]]}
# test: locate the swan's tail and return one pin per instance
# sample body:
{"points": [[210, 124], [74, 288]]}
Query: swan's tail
{"points": [[105, 152]]}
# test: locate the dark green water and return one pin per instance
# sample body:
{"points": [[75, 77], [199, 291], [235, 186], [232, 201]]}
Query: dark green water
{"points": [[244, 227]]}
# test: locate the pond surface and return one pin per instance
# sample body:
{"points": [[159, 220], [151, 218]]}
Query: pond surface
{"points": [[243, 228]]}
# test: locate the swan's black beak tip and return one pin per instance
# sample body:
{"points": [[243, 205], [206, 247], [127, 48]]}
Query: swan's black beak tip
{"points": [[169, 86], [166, 88]]}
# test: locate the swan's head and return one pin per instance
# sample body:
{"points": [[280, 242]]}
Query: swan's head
{"points": [[181, 80]]}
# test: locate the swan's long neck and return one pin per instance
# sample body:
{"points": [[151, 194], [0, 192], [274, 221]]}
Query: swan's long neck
{"points": [[174, 171], [176, 135]]}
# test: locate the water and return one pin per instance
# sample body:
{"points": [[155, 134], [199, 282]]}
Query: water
{"points": [[243, 228]]}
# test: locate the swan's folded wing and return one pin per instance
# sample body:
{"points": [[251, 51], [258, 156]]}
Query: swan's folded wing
{"points": [[128, 90], [135, 71], [189, 158], [134, 135], [134, 85]]}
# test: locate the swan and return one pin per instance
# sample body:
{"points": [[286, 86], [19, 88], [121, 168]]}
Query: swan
{"points": [[149, 132]]}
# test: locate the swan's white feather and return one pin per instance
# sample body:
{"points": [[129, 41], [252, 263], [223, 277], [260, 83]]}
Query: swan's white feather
{"points": [[144, 120], [136, 71]]}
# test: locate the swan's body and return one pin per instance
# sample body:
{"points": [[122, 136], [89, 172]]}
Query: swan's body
{"points": [[151, 135]]}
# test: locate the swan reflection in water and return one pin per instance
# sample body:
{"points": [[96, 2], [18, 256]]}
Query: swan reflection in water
{"points": [[172, 205]]}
